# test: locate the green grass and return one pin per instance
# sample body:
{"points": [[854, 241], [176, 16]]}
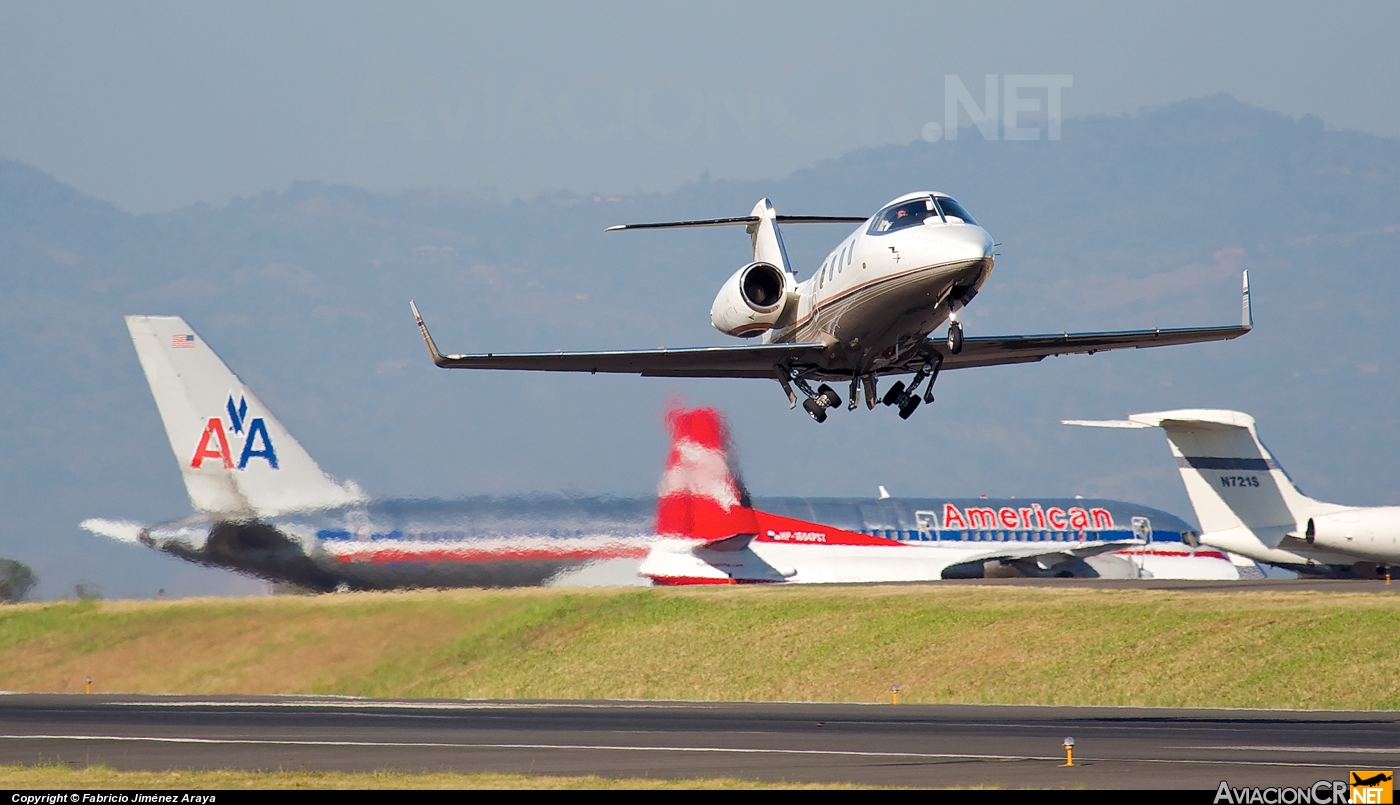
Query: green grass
{"points": [[939, 643], [57, 776]]}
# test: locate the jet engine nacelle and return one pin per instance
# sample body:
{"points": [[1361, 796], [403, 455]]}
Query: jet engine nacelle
{"points": [[752, 301], [1366, 530]]}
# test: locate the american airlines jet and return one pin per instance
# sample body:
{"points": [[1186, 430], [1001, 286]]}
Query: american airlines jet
{"points": [[1248, 505], [712, 532], [265, 508]]}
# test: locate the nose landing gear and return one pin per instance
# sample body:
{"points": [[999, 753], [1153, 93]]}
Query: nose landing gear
{"points": [[955, 336]]}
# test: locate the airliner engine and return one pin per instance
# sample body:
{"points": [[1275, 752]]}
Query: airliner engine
{"points": [[752, 301]]}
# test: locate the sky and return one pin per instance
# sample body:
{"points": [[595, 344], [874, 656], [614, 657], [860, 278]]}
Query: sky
{"points": [[157, 106], [154, 106]]}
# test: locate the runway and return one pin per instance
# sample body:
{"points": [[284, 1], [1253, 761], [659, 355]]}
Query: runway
{"points": [[904, 745]]}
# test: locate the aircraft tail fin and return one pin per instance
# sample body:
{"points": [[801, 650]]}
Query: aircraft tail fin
{"points": [[236, 458], [1231, 478], [767, 240], [701, 496]]}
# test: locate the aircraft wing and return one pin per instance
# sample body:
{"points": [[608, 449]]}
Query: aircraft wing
{"points": [[762, 360], [998, 350], [758, 360], [1045, 555]]}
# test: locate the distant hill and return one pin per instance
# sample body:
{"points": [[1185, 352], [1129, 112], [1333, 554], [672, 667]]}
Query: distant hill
{"points": [[1127, 221]]}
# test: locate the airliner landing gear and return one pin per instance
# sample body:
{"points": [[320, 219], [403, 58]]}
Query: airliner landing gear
{"points": [[868, 381], [854, 395]]}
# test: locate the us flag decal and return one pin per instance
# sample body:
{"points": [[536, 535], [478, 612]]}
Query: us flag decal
{"points": [[182, 342]]}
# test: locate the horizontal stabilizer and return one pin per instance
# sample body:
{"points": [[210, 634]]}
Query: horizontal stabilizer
{"points": [[119, 530], [744, 220]]}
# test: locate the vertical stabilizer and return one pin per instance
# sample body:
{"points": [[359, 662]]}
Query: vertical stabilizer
{"points": [[1231, 478], [701, 496], [767, 240], [236, 458]]}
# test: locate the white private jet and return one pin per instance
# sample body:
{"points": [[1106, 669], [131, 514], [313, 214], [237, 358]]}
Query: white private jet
{"points": [[1248, 505], [868, 311]]}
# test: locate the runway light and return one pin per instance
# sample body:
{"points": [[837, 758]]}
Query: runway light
{"points": [[89, 684], [894, 694], [1069, 752]]}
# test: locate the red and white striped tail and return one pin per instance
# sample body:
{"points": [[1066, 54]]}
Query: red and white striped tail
{"points": [[700, 496]]}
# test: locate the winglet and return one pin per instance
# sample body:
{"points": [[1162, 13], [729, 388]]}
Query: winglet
{"points": [[427, 339], [1246, 307]]}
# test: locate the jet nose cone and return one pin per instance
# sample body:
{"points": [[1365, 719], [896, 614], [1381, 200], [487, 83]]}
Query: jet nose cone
{"points": [[953, 242]]}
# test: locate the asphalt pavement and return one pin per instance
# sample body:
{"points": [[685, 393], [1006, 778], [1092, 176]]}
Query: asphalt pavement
{"points": [[902, 745]]}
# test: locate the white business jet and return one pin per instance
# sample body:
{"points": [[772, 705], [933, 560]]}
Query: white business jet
{"points": [[1248, 505], [867, 312]]}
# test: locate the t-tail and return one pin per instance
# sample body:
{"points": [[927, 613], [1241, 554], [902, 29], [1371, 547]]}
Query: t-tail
{"points": [[1234, 483], [236, 458]]}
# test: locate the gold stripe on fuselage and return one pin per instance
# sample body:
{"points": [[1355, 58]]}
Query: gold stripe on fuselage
{"points": [[878, 312]]}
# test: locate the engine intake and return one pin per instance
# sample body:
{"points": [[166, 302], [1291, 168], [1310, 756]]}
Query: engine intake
{"points": [[752, 301]]}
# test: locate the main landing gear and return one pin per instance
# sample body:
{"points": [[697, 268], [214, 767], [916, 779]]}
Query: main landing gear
{"points": [[907, 399], [818, 401], [816, 404]]}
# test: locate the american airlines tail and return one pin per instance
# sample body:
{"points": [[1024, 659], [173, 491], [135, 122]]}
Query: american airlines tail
{"points": [[1244, 500], [236, 458]]}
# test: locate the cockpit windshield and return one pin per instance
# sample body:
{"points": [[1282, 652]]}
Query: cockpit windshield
{"points": [[953, 212], [930, 209], [909, 213]]}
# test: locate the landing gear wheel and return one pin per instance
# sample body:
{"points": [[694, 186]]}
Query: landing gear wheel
{"points": [[908, 407], [815, 409], [955, 338], [893, 394], [829, 394]]}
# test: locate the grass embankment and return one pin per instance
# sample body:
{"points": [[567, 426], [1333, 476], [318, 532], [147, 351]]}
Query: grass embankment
{"points": [[938, 643], [103, 777]]}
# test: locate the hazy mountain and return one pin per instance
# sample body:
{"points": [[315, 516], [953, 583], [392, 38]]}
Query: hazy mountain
{"points": [[1126, 221]]}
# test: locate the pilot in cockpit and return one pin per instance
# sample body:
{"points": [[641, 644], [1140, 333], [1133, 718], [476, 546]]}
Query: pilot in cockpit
{"points": [[907, 214]]}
